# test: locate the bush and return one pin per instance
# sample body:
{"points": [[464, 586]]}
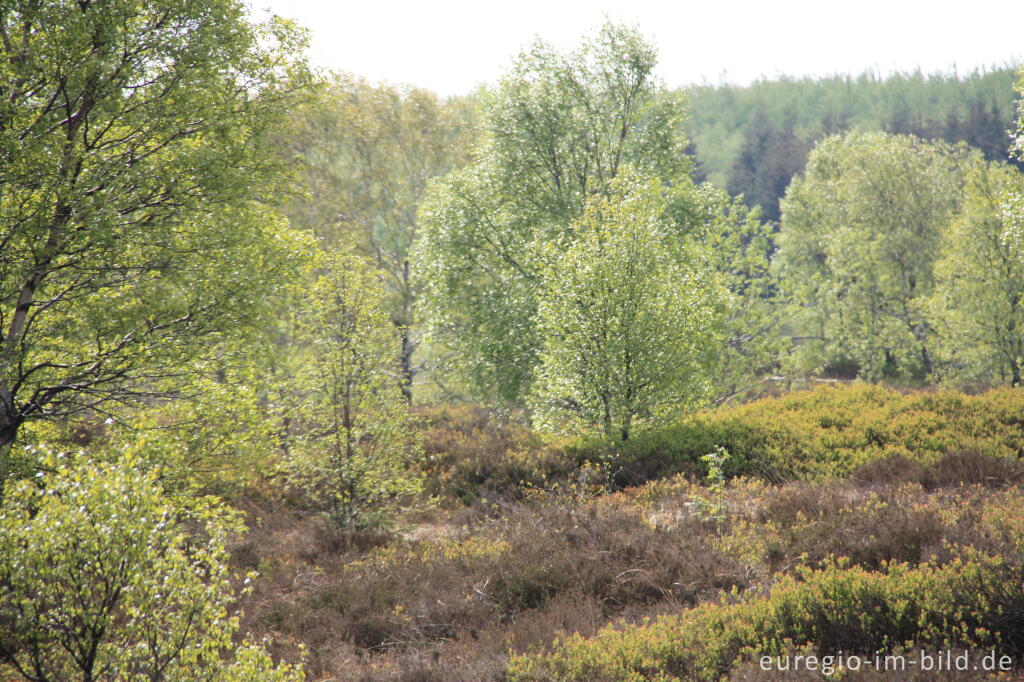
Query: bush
{"points": [[831, 431], [972, 602], [540, 567], [98, 580], [475, 453], [970, 598]]}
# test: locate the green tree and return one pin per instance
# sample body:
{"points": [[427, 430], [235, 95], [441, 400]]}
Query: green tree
{"points": [[1017, 148], [739, 247], [557, 130], [630, 314], [978, 304], [357, 449], [368, 152], [100, 580], [861, 231], [133, 185]]}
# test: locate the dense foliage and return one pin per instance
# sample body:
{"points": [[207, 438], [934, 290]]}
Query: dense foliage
{"points": [[102, 579], [367, 153], [861, 231], [831, 431], [629, 317], [134, 175], [557, 130]]}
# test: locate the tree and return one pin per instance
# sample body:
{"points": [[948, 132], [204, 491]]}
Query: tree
{"points": [[751, 139], [739, 248], [1017, 148], [368, 152], [134, 179], [860, 234], [978, 304], [357, 449], [630, 313], [769, 159], [99, 580], [557, 130]]}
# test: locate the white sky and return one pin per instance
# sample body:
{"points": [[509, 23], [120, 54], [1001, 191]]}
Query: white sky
{"points": [[450, 46]]}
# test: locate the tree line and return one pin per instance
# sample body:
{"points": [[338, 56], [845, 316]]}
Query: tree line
{"points": [[752, 140]]}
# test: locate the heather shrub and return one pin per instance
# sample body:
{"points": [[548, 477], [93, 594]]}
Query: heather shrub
{"points": [[830, 432], [969, 597], [971, 602], [474, 453]]}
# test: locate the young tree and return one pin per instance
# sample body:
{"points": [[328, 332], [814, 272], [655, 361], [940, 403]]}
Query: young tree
{"points": [[357, 451], [368, 152], [739, 247], [133, 180], [630, 313], [558, 129], [978, 304], [860, 234], [99, 580]]}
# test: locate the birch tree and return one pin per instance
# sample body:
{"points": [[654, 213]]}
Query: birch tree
{"points": [[134, 182]]}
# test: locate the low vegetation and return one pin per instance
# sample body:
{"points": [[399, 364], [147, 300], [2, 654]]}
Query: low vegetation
{"points": [[671, 579]]}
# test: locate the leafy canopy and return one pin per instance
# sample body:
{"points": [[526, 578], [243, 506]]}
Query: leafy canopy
{"points": [[367, 154], [134, 188], [860, 234], [557, 130], [978, 304]]}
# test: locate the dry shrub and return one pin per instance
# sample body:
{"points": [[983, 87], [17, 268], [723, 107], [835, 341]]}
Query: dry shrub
{"points": [[511, 582], [871, 528], [527, 560], [890, 470], [475, 453], [973, 468], [957, 468], [973, 603]]}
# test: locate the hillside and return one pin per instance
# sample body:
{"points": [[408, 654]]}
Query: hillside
{"points": [[753, 139]]}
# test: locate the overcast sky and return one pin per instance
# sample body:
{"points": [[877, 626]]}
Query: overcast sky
{"points": [[450, 46]]}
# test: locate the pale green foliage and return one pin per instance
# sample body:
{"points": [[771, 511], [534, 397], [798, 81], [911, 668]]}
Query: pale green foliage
{"points": [[557, 129], [221, 437], [860, 234], [99, 580], [357, 449], [739, 248], [630, 315], [368, 152], [978, 304], [133, 213], [1018, 141], [713, 509]]}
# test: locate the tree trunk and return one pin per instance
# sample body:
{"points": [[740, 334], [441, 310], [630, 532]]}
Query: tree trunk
{"points": [[408, 347], [8, 433], [926, 359], [407, 371], [10, 420]]}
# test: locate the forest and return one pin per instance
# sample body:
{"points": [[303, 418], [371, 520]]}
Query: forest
{"points": [[576, 377]]}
